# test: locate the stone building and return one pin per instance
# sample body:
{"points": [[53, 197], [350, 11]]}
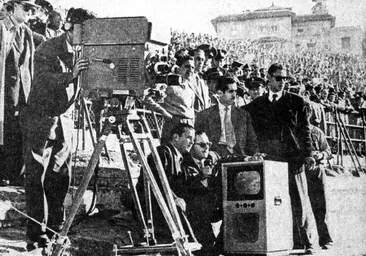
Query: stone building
{"points": [[281, 28]]}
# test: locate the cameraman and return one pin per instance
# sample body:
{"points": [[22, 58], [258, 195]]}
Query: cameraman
{"points": [[177, 106], [48, 128]]}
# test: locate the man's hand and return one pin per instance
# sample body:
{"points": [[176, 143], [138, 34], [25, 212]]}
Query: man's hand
{"points": [[180, 203], [206, 171], [255, 157], [80, 65], [309, 163]]}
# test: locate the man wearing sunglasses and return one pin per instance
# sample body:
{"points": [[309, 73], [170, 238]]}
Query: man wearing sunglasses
{"points": [[16, 72], [49, 127], [283, 131], [203, 192], [229, 127]]}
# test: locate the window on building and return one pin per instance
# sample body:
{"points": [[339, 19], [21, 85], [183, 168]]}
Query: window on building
{"points": [[346, 42], [300, 30]]}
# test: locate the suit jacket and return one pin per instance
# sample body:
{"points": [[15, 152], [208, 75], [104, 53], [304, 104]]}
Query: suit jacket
{"points": [[202, 99], [50, 103], [172, 166], [16, 69], [208, 121], [286, 122]]}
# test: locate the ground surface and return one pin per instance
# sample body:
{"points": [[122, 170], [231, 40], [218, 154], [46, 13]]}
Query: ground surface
{"points": [[112, 220]]}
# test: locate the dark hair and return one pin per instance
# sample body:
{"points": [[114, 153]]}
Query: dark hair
{"points": [[180, 128], [182, 56], [274, 67], [200, 133], [223, 82]]}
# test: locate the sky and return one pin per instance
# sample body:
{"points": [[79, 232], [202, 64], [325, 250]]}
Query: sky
{"points": [[196, 15]]}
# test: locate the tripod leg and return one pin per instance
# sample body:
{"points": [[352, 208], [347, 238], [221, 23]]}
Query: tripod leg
{"points": [[351, 144], [166, 187], [176, 234], [135, 197], [348, 147], [87, 118], [57, 248]]}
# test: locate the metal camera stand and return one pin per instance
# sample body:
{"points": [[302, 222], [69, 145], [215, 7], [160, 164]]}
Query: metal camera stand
{"points": [[132, 128]]}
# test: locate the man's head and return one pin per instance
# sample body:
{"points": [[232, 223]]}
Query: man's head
{"points": [[45, 9], [182, 137], [218, 61], [76, 16], [55, 20], [255, 86], [23, 10], [201, 146], [199, 60], [185, 63], [324, 94], [276, 78], [226, 89]]}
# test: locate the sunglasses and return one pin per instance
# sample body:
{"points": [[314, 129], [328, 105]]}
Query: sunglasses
{"points": [[204, 144], [28, 8], [280, 78]]}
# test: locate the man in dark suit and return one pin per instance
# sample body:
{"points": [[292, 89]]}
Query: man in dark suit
{"points": [[48, 126], [203, 192], [171, 156], [280, 122], [16, 71], [228, 127]]}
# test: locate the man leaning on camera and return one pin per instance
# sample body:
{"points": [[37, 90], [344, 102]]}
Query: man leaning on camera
{"points": [[48, 127]]}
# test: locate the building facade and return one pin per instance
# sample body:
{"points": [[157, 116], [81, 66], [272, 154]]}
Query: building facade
{"points": [[281, 28]]}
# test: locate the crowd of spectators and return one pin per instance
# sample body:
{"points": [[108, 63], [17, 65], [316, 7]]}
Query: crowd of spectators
{"points": [[343, 75]]}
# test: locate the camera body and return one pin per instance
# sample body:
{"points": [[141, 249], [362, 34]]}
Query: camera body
{"points": [[116, 49]]}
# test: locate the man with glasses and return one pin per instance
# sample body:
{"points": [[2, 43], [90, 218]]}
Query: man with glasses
{"points": [[282, 128], [203, 192], [16, 72], [229, 127], [48, 126]]}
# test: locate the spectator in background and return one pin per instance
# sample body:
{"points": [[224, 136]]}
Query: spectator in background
{"points": [[39, 24], [202, 97], [54, 26], [16, 73], [317, 179]]}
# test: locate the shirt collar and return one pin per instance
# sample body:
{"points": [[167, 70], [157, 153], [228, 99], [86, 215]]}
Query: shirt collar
{"points": [[10, 22], [270, 95], [179, 155], [69, 47], [222, 107]]}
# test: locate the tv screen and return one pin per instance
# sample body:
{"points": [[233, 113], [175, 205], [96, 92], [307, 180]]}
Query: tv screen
{"points": [[245, 182]]}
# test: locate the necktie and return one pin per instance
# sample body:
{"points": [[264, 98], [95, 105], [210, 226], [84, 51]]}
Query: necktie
{"points": [[19, 41], [274, 98], [229, 131]]}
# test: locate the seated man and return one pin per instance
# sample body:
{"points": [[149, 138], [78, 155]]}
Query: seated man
{"points": [[203, 192], [171, 155]]}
